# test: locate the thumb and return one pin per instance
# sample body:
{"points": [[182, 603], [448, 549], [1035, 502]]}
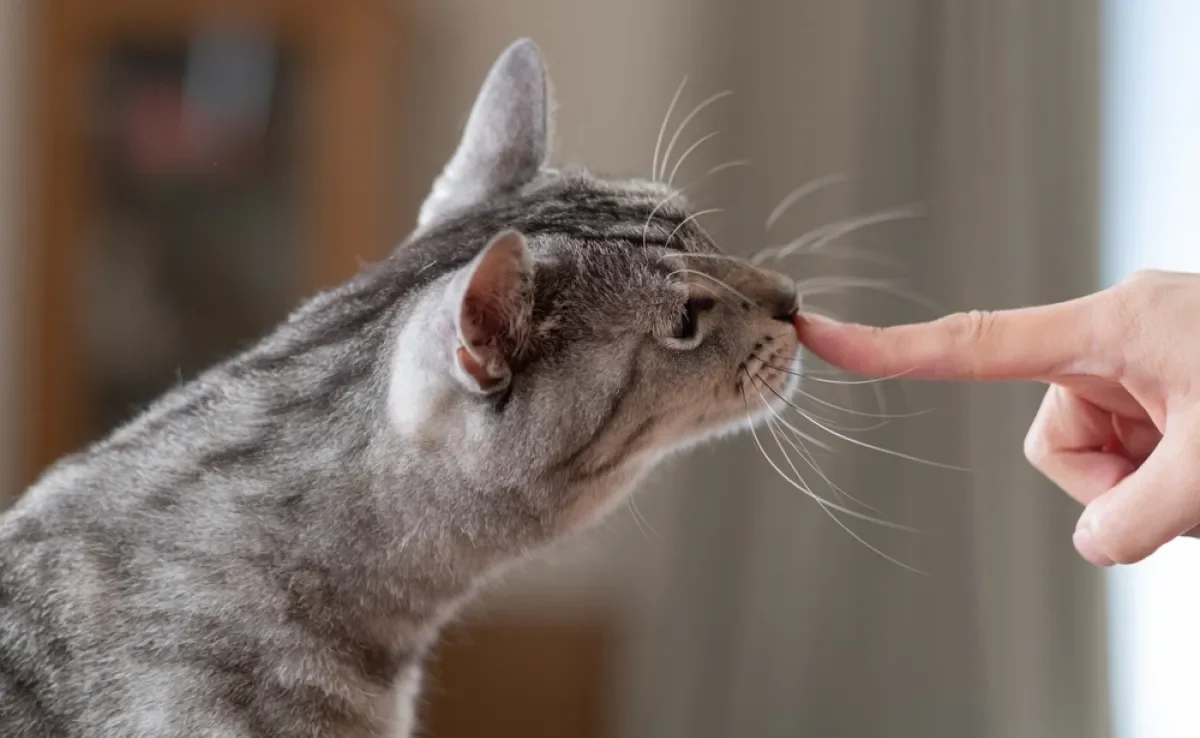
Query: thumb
{"points": [[1149, 508]]}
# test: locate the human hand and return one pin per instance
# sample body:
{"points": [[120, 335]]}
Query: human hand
{"points": [[1119, 428]]}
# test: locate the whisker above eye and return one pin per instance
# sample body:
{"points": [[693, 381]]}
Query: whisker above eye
{"points": [[685, 255], [900, 213], [727, 165], [690, 218], [686, 153], [831, 231], [800, 193], [662, 129], [695, 111], [826, 285], [654, 211]]}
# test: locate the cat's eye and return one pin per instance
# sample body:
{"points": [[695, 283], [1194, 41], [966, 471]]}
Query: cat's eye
{"points": [[687, 327]]}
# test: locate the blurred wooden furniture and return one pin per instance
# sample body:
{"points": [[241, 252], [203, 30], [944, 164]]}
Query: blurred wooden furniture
{"points": [[521, 676], [346, 68]]}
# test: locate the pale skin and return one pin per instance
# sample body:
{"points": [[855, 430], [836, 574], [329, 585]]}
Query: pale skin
{"points": [[1119, 427]]}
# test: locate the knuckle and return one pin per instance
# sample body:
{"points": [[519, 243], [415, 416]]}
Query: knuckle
{"points": [[971, 327], [967, 332]]}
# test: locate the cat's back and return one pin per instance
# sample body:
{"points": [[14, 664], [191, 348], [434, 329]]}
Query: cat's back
{"points": [[64, 631], [131, 605]]}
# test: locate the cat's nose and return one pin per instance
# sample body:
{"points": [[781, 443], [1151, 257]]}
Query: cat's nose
{"points": [[787, 301]]}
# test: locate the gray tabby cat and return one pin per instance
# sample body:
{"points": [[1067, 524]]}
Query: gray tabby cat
{"points": [[270, 549]]}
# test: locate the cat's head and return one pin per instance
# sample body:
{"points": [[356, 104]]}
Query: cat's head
{"points": [[580, 328]]}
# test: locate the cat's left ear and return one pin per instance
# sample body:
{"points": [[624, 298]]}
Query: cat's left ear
{"points": [[491, 304], [506, 140]]}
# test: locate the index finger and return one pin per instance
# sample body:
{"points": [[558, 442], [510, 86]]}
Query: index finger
{"points": [[1028, 343]]}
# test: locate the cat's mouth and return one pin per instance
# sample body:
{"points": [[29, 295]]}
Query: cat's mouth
{"points": [[769, 375]]}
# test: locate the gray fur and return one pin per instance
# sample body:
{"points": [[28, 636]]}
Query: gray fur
{"points": [[271, 548]]}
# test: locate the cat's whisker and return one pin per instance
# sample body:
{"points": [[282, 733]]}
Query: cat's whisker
{"points": [[714, 280], [864, 414], [827, 285], [812, 462], [662, 129], [654, 211], [799, 433], [640, 520], [829, 507], [679, 131], [825, 505], [777, 436], [798, 445], [721, 297], [832, 231], [817, 239], [686, 255], [850, 411], [878, 449], [687, 152], [829, 423], [850, 253], [798, 481], [727, 165], [690, 218], [900, 213], [853, 382], [799, 194]]}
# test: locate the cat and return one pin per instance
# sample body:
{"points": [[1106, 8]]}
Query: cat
{"points": [[270, 549]]}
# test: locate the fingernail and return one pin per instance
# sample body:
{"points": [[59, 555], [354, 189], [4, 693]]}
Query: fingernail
{"points": [[1085, 542]]}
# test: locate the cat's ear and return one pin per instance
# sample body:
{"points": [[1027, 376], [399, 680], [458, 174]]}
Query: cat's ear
{"points": [[491, 304], [506, 139]]}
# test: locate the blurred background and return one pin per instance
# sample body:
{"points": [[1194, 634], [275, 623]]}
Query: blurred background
{"points": [[175, 176]]}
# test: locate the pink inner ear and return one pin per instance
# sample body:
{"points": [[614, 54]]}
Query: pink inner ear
{"points": [[492, 304], [477, 371], [482, 318]]}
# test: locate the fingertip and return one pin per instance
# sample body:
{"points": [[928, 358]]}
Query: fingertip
{"points": [[808, 323], [830, 340]]}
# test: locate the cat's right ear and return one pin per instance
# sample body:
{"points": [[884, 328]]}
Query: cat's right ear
{"points": [[506, 140], [490, 304]]}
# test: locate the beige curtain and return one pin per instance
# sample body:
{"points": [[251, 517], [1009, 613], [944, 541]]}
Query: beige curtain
{"points": [[779, 623]]}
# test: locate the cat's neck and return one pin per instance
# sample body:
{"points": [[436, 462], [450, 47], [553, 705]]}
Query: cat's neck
{"points": [[284, 452]]}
